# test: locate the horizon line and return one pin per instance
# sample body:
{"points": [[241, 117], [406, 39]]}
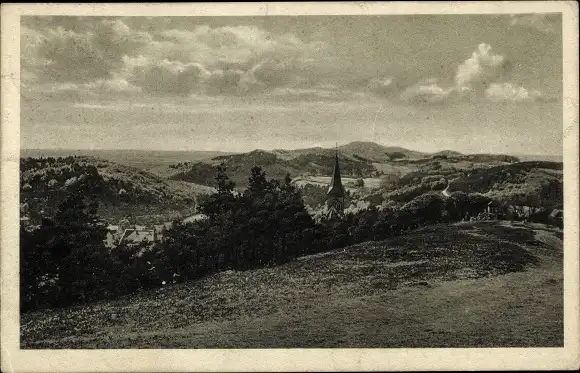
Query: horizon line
{"points": [[271, 150]]}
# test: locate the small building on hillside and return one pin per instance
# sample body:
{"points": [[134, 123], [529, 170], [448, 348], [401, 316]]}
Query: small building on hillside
{"points": [[493, 208], [135, 236]]}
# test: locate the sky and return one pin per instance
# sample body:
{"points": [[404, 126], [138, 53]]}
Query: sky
{"points": [[470, 83]]}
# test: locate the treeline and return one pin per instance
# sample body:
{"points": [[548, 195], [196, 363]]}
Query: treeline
{"points": [[64, 261]]}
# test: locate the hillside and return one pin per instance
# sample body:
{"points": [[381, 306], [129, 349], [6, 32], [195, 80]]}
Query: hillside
{"points": [[239, 165], [439, 286], [538, 184], [119, 189], [528, 183]]}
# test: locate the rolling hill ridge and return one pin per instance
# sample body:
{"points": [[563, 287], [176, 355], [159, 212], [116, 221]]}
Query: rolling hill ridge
{"points": [[119, 189]]}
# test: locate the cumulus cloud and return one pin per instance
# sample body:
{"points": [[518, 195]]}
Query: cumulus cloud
{"points": [[506, 91], [471, 78], [164, 77], [478, 77], [480, 68]]}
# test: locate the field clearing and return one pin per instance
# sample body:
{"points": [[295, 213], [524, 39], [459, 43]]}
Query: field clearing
{"points": [[485, 284], [396, 167], [348, 182]]}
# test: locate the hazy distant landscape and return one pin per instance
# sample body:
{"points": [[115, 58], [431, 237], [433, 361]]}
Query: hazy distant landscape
{"points": [[142, 159], [149, 159]]}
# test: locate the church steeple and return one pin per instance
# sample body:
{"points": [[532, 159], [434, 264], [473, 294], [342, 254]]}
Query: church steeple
{"points": [[336, 187], [335, 194]]}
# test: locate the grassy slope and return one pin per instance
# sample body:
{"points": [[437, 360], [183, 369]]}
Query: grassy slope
{"points": [[435, 287]]}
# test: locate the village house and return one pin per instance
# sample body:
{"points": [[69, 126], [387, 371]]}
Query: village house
{"points": [[133, 235], [138, 235]]}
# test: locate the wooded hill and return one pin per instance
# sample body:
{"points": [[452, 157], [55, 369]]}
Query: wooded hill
{"points": [[119, 189], [537, 184]]}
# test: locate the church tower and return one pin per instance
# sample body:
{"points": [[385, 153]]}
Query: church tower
{"points": [[335, 194]]}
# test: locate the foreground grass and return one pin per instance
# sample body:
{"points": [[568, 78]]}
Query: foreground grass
{"points": [[465, 285]]}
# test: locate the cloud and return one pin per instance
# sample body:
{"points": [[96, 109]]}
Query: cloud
{"points": [[476, 79], [319, 93], [385, 87], [428, 92], [164, 77], [60, 55], [502, 92], [471, 78], [106, 56], [215, 61], [480, 68], [545, 23]]}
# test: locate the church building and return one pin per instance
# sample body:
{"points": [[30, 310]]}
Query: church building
{"points": [[335, 194]]}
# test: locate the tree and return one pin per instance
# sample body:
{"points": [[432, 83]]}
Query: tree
{"points": [[428, 207], [65, 260], [257, 183], [457, 205], [221, 201]]}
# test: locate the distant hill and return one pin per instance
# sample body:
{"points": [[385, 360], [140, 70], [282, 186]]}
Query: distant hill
{"points": [[142, 159], [364, 150], [357, 159], [169, 181], [379, 153], [119, 189], [239, 165], [447, 153], [540, 157]]}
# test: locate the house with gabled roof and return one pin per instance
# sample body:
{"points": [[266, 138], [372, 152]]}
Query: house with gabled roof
{"points": [[135, 236]]}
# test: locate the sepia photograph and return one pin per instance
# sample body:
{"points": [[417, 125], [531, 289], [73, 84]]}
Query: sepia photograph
{"points": [[278, 181]]}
